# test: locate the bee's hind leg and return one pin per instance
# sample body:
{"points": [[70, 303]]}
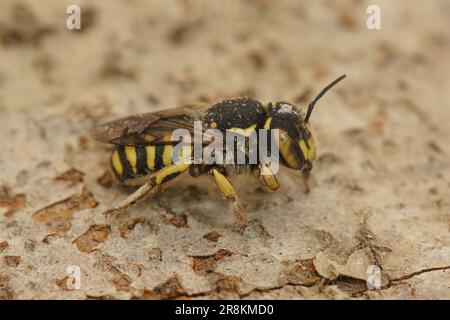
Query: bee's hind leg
{"points": [[227, 189], [155, 181]]}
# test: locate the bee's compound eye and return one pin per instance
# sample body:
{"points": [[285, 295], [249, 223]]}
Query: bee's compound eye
{"points": [[307, 144]]}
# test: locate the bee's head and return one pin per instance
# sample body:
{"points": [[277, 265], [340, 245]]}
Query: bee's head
{"points": [[297, 146]]}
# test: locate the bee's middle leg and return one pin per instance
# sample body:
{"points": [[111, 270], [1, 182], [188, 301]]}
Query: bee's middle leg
{"points": [[155, 181], [227, 189]]}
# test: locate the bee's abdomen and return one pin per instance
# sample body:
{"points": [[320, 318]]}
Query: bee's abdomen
{"points": [[133, 161]]}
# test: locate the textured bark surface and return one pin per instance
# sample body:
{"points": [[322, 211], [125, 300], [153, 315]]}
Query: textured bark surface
{"points": [[379, 190]]}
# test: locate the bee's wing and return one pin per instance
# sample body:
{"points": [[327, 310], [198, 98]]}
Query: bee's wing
{"points": [[148, 128]]}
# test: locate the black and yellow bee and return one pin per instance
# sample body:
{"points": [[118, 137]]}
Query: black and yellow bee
{"points": [[144, 147]]}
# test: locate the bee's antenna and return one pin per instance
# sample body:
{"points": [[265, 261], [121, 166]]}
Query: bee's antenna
{"points": [[321, 93]]}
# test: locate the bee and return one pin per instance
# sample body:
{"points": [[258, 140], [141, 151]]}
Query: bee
{"points": [[144, 147]]}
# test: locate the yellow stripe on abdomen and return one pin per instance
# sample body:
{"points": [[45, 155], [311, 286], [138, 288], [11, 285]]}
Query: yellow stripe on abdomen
{"points": [[151, 157], [116, 164], [130, 154], [167, 155]]}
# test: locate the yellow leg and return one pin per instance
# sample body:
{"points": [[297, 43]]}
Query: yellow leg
{"points": [[269, 178], [226, 188], [155, 181]]}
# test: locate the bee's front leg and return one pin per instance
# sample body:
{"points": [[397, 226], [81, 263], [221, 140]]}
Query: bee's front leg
{"points": [[227, 189], [269, 178], [154, 183], [305, 177]]}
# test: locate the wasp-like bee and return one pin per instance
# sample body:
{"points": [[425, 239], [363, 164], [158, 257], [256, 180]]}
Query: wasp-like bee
{"points": [[143, 153]]}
